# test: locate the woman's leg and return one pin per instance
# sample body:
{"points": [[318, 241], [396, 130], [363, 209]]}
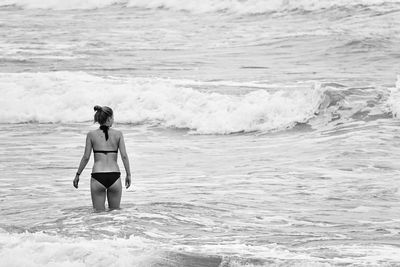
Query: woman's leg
{"points": [[114, 193], [98, 195]]}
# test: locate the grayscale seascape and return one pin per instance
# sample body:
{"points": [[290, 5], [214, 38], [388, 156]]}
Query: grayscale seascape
{"points": [[260, 133]]}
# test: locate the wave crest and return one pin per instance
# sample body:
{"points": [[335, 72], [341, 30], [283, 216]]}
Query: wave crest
{"points": [[229, 6], [70, 97], [394, 99]]}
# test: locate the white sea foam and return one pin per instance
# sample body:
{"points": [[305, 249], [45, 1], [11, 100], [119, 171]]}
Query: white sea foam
{"points": [[394, 99], [60, 4], [344, 254], [39, 249], [233, 6], [70, 96], [251, 6]]}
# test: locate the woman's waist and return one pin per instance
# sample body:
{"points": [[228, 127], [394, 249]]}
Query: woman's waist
{"points": [[105, 174], [105, 167]]}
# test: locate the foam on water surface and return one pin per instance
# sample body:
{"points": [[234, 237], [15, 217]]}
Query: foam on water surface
{"points": [[308, 177], [394, 99], [51, 98], [212, 199], [39, 249], [235, 6]]}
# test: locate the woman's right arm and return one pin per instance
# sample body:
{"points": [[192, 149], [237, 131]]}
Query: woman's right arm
{"points": [[84, 160], [125, 160]]}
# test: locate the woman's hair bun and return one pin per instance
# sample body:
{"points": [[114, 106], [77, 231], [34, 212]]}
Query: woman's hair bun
{"points": [[97, 107], [102, 114]]}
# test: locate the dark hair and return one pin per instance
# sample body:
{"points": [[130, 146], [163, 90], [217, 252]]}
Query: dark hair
{"points": [[102, 114]]}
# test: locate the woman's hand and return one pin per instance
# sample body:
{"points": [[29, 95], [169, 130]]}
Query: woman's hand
{"points": [[76, 181], [128, 181]]}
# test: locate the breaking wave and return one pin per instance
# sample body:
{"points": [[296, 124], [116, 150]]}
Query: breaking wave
{"points": [[229, 6], [40, 249], [394, 99], [66, 97], [69, 97]]}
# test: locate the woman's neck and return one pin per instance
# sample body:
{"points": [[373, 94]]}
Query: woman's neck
{"points": [[105, 128]]}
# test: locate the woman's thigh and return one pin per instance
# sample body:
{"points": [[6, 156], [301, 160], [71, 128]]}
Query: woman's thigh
{"points": [[114, 193], [98, 193]]}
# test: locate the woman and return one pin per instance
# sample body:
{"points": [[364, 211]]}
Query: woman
{"points": [[105, 173]]}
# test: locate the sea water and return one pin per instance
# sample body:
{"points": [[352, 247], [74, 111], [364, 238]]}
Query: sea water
{"points": [[260, 133]]}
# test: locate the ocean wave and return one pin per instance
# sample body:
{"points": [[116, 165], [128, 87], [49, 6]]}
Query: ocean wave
{"points": [[39, 249], [42, 249], [198, 106], [343, 105], [69, 97], [229, 6], [394, 99], [59, 4]]}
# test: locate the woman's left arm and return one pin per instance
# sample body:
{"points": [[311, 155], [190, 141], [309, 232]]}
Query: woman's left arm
{"points": [[84, 160]]}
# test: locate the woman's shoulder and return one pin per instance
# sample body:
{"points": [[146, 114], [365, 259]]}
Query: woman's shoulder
{"points": [[94, 133], [91, 132], [115, 131]]}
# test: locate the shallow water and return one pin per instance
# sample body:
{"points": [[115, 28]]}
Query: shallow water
{"points": [[259, 135], [313, 197]]}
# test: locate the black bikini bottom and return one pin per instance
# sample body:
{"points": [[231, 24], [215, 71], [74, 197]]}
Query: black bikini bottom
{"points": [[106, 178]]}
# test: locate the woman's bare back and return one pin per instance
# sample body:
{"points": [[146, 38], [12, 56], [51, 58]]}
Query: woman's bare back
{"points": [[105, 156]]}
